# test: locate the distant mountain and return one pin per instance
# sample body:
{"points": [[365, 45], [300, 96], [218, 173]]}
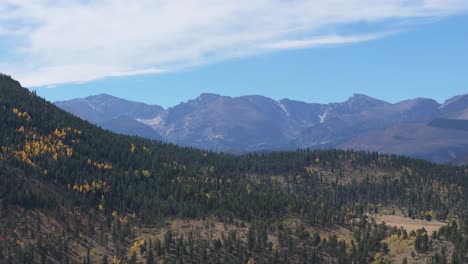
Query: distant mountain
{"points": [[420, 140], [113, 113], [257, 123], [459, 124], [360, 114], [103, 107], [129, 126], [225, 123], [455, 108], [431, 135]]}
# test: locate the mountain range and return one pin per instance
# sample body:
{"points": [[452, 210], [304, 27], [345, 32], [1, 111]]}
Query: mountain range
{"points": [[420, 128]]}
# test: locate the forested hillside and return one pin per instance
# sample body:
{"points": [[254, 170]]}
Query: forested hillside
{"points": [[73, 193]]}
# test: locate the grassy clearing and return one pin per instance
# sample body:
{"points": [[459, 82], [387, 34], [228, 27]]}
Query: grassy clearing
{"points": [[404, 248], [409, 224]]}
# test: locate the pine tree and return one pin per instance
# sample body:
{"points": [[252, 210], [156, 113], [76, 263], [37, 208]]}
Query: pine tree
{"points": [[150, 257]]}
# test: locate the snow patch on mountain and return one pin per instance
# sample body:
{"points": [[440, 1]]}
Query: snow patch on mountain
{"points": [[91, 105], [323, 116], [283, 108], [153, 122]]}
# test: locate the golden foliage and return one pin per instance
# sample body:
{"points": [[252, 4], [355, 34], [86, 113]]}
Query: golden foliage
{"points": [[123, 220], [94, 187], [20, 243], [115, 260], [310, 169], [60, 133], [24, 115], [406, 170], [146, 173], [102, 166], [36, 146], [69, 152], [431, 214], [136, 246]]}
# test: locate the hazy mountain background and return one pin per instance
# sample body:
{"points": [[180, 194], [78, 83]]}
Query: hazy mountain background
{"points": [[419, 127]]}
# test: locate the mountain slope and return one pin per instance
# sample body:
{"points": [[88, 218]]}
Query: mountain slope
{"points": [[115, 114], [71, 192], [103, 107], [455, 107], [224, 123], [345, 121], [129, 126], [441, 136], [419, 140]]}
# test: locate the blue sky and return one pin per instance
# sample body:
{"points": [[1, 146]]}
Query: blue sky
{"points": [[384, 54]]}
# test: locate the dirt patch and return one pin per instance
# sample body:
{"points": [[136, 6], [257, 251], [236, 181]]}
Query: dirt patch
{"points": [[209, 229], [343, 231], [409, 224]]}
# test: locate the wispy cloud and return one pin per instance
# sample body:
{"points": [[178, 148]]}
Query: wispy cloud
{"points": [[324, 41], [60, 41]]}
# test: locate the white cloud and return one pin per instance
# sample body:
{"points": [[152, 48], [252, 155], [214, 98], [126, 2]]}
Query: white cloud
{"points": [[323, 41], [63, 41]]}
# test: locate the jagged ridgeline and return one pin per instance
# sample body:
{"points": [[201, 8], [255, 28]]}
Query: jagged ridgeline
{"points": [[72, 192]]}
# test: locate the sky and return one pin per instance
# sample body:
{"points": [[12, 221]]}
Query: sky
{"points": [[168, 51]]}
